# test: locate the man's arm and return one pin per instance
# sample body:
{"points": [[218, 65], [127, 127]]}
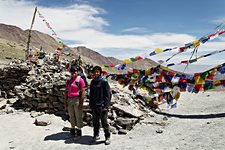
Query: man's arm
{"points": [[107, 94], [91, 95]]}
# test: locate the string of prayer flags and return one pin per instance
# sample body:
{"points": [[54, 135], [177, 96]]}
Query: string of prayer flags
{"points": [[193, 44], [195, 60], [54, 34], [48, 26]]}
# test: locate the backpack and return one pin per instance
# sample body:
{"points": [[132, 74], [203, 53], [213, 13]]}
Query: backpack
{"points": [[77, 81], [84, 78]]}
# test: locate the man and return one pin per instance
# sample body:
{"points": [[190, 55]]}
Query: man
{"points": [[99, 103]]}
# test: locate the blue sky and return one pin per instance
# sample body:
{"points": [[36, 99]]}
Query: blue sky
{"points": [[191, 17], [125, 28]]}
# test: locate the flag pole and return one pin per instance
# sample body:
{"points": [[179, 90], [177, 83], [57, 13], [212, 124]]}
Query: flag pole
{"points": [[29, 33]]}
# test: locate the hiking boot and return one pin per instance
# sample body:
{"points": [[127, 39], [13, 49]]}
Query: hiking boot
{"points": [[78, 134], [73, 131], [107, 141]]}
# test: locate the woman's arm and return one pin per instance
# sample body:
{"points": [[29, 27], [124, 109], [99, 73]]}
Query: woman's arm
{"points": [[66, 99]]}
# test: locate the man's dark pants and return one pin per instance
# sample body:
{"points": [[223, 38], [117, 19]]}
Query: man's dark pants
{"points": [[97, 116]]}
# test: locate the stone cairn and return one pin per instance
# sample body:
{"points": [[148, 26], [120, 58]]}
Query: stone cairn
{"points": [[41, 88]]}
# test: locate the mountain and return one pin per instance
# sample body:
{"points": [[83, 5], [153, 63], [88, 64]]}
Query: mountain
{"points": [[15, 34], [91, 56], [13, 42], [12, 33]]}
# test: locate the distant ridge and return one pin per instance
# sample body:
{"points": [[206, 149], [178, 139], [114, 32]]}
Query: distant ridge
{"points": [[13, 35]]}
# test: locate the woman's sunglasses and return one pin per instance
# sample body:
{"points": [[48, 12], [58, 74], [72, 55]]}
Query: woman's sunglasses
{"points": [[73, 70]]}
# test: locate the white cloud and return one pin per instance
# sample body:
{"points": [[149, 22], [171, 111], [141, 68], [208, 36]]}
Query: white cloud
{"points": [[135, 30], [17, 13], [61, 19], [219, 20], [101, 40], [222, 38], [83, 24]]}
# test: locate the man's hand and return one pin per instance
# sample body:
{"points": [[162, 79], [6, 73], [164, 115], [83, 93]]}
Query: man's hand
{"points": [[103, 109]]}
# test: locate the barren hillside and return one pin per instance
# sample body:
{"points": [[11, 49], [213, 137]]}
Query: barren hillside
{"points": [[13, 41]]}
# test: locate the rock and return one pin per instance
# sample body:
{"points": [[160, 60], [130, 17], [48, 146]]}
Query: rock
{"points": [[11, 94], [9, 110], [3, 94], [165, 118], [118, 127], [88, 117], [2, 107], [66, 128], [86, 105], [20, 95], [159, 131], [129, 110], [122, 131], [125, 121], [11, 147], [28, 94], [34, 114], [41, 123], [42, 105], [114, 116], [27, 109], [112, 130], [12, 100]]}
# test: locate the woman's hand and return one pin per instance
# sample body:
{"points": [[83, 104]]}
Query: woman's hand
{"points": [[80, 106], [65, 104]]}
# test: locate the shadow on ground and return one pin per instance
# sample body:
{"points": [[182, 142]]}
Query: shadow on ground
{"points": [[69, 139], [202, 116]]}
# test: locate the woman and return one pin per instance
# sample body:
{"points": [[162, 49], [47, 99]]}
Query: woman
{"points": [[74, 98]]}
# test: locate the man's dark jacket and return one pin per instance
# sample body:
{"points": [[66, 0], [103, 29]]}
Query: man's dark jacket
{"points": [[100, 95]]}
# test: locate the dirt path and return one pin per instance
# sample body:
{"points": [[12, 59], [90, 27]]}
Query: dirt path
{"points": [[197, 123]]}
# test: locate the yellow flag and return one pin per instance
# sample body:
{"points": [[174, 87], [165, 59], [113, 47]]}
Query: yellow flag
{"points": [[199, 80], [103, 66], [200, 57], [144, 88], [165, 68], [158, 50], [196, 43], [149, 99], [127, 61], [177, 96], [147, 72], [216, 82], [213, 71]]}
